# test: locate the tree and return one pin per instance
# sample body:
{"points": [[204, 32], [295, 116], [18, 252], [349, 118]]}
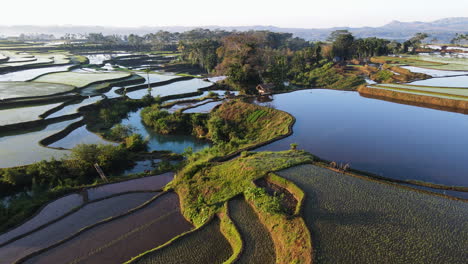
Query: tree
{"points": [[342, 46]]}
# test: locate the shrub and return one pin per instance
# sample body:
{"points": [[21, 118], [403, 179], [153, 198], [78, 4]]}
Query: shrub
{"points": [[135, 142], [119, 132], [110, 158]]}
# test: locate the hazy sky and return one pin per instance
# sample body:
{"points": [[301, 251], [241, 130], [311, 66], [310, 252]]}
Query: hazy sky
{"points": [[284, 13]]}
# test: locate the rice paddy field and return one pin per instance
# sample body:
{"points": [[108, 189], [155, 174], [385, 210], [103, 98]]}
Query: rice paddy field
{"points": [[433, 73], [32, 60], [24, 114], [123, 238], [74, 107], [188, 86], [22, 148], [80, 135], [442, 92], [151, 183], [9, 90], [80, 80], [258, 246], [454, 81], [353, 220], [205, 245], [88, 215], [27, 75], [203, 108], [49, 213], [429, 62]]}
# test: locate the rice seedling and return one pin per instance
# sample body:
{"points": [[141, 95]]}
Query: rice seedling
{"points": [[206, 245], [353, 220], [258, 245]]}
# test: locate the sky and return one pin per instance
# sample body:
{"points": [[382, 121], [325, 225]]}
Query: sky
{"points": [[285, 13]]}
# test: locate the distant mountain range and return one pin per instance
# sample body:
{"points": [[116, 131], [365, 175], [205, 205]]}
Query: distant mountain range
{"points": [[443, 30]]}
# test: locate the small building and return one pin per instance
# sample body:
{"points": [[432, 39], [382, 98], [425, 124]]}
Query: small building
{"points": [[265, 88]]}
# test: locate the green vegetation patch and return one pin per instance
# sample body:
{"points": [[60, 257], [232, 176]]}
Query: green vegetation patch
{"points": [[203, 187], [258, 247], [10, 90], [80, 79], [231, 233], [206, 245], [353, 220]]}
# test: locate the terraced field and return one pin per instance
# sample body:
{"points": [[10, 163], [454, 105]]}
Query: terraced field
{"points": [[80, 136], [353, 220], [49, 213], [79, 79], [447, 64], [27, 75], [74, 107], [433, 73], [151, 183], [88, 215], [206, 245], [10, 90], [23, 114], [123, 238], [258, 245], [22, 148], [442, 92], [188, 86]]}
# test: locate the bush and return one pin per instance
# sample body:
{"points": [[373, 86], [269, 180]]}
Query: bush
{"points": [[110, 159], [266, 203], [135, 142], [120, 132]]}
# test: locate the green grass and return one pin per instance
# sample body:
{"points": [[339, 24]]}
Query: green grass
{"points": [[203, 192], [231, 233], [258, 247], [10, 90], [256, 115], [354, 220], [79, 79], [258, 123], [206, 245]]}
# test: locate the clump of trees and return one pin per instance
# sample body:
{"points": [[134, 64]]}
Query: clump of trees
{"points": [[459, 39], [164, 122]]}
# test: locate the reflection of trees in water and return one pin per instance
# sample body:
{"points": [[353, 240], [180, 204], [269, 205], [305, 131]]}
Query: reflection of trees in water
{"points": [[265, 100]]}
